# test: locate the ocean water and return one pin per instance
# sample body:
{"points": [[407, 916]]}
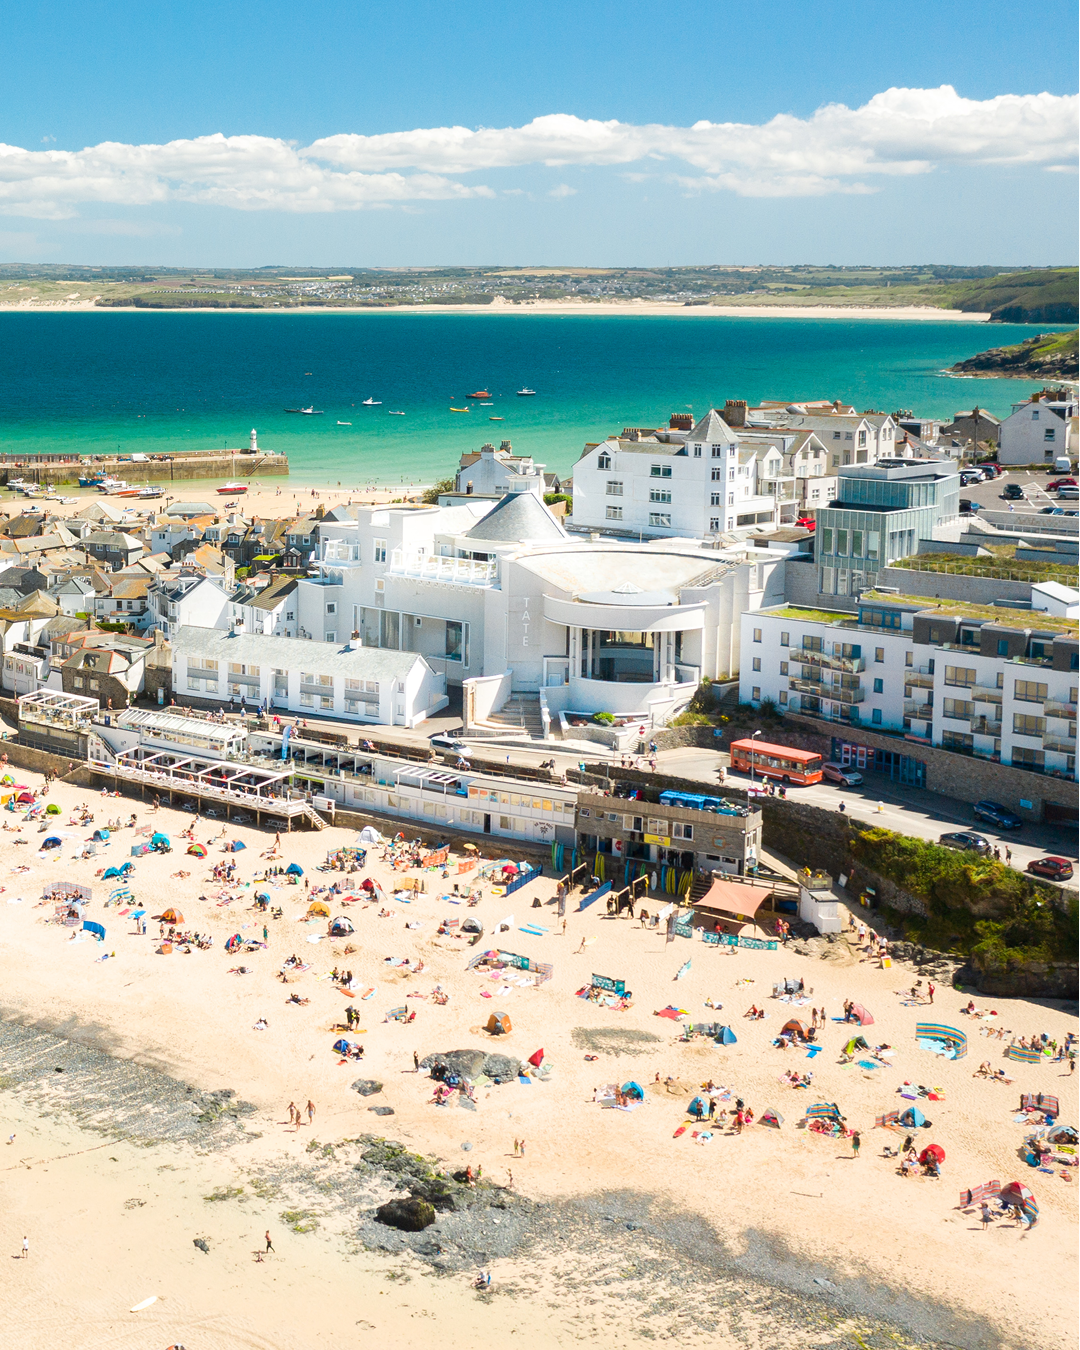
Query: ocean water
{"points": [[102, 382]]}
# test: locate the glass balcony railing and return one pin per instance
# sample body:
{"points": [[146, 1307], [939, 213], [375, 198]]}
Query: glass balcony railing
{"points": [[1065, 745], [850, 664], [1056, 707], [923, 712], [919, 676], [984, 726]]}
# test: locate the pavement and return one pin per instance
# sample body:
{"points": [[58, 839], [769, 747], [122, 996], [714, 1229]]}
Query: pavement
{"points": [[895, 806]]}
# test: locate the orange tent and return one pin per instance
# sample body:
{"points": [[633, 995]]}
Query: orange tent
{"points": [[172, 916]]}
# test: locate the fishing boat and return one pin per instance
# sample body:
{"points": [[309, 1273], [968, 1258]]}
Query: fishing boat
{"points": [[371, 403], [111, 486], [526, 393], [151, 490], [231, 489], [307, 412], [480, 393], [460, 410], [85, 480], [496, 419], [128, 491], [344, 424], [392, 413]]}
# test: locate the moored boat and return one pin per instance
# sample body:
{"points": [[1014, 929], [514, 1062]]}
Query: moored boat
{"points": [[231, 489]]}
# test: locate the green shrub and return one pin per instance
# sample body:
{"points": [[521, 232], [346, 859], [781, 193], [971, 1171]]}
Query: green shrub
{"points": [[604, 719], [432, 494]]}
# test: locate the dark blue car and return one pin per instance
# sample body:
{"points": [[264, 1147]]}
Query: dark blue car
{"points": [[996, 814]]}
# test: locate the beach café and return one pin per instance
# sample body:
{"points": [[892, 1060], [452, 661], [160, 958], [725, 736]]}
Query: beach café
{"points": [[732, 903]]}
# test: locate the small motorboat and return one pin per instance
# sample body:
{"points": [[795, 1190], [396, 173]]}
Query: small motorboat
{"points": [[496, 419], [460, 409], [307, 412], [392, 413], [487, 405], [128, 492], [152, 490], [231, 489], [371, 403], [480, 393], [526, 393], [344, 424]]}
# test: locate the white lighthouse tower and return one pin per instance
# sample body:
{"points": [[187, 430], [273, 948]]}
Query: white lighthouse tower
{"points": [[254, 442]]}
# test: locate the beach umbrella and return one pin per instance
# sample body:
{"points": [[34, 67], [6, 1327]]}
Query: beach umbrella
{"points": [[1015, 1193], [196, 850], [294, 870]]}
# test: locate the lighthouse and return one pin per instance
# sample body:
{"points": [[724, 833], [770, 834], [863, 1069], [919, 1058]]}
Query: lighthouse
{"points": [[254, 442]]}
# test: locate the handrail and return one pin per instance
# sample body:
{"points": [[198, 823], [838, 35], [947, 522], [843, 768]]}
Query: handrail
{"points": [[194, 787]]}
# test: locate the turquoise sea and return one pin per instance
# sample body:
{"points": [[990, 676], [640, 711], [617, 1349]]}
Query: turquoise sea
{"points": [[152, 382]]}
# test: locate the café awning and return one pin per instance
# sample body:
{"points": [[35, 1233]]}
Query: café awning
{"points": [[735, 902]]}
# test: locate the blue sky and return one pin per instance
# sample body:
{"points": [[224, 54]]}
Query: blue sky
{"points": [[298, 92]]}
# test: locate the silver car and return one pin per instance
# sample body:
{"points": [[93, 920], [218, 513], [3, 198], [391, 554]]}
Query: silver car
{"points": [[840, 773]]}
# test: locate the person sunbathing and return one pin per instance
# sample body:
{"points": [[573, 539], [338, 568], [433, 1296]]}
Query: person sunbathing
{"points": [[984, 1070], [752, 1011]]}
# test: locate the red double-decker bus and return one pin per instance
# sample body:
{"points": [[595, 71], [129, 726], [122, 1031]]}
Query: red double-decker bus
{"points": [[776, 761]]}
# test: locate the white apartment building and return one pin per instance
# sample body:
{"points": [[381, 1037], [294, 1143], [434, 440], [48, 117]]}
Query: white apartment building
{"points": [[187, 600], [490, 472], [1000, 688], [1038, 429], [488, 590], [260, 670], [675, 484], [849, 437]]}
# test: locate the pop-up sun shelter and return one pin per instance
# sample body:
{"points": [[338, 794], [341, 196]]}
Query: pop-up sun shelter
{"points": [[633, 1091], [858, 1011], [197, 850], [771, 1117], [340, 927], [498, 1024], [52, 842], [172, 916], [294, 870], [856, 1044], [725, 1036], [794, 1028], [318, 909], [913, 1119]]}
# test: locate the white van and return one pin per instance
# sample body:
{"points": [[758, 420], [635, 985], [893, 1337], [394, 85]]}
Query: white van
{"points": [[1062, 464]]}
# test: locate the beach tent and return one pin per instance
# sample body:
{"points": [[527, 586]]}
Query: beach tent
{"points": [[865, 1020], [794, 1028], [697, 1108], [52, 842], [111, 872], [498, 1024], [196, 850], [932, 1152], [955, 1042], [94, 928], [341, 927], [537, 1059], [726, 1036], [26, 796], [369, 835], [294, 870], [633, 1091], [237, 846], [52, 809], [472, 925], [262, 895], [318, 909], [160, 842], [1022, 1198], [855, 1044], [172, 916], [913, 1118], [101, 836], [341, 1047], [1063, 1134], [771, 1117]]}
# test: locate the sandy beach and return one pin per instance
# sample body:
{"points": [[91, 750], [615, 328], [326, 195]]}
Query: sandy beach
{"points": [[638, 308], [785, 1206]]}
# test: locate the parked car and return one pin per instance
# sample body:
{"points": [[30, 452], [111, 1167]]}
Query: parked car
{"points": [[447, 741], [807, 522], [996, 814], [1057, 869], [1044, 510], [1013, 492], [840, 773], [966, 841], [992, 470], [1068, 494], [1059, 483], [968, 507]]}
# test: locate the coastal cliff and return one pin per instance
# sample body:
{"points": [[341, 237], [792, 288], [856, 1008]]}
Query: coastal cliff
{"points": [[1050, 356]]}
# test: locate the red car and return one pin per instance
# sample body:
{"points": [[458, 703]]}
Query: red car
{"points": [[807, 522], [1057, 869], [1061, 482]]}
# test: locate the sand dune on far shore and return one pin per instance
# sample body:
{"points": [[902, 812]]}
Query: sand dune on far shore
{"points": [[789, 1205]]}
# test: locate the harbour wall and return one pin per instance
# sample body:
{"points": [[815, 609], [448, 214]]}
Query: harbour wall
{"points": [[66, 470]]}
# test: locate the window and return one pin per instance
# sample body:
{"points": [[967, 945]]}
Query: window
{"points": [[326, 701], [841, 542], [714, 498], [613, 513], [755, 693], [783, 695], [856, 543], [681, 831], [862, 438], [1028, 691], [962, 675], [331, 608], [716, 475], [660, 471], [783, 667], [1023, 725], [879, 654], [307, 700], [714, 523], [380, 550], [879, 686], [826, 541], [875, 717], [836, 435], [784, 639], [757, 634], [731, 475], [757, 662], [909, 658], [731, 499], [603, 460], [873, 543], [454, 650], [330, 636], [1023, 758], [351, 684], [660, 519], [697, 451], [660, 495], [957, 707], [1048, 433], [716, 451], [614, 488]]}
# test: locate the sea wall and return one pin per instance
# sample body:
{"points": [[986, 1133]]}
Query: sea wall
{"points": [[175, 469]]}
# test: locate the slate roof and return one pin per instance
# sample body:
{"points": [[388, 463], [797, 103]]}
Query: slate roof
{"points": [[518, 518]]}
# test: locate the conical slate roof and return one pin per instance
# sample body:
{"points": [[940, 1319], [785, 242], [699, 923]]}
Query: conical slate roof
{"points": [[519, 518], [713, 430]]}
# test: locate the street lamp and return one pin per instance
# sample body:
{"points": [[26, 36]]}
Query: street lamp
{"points": [[752, 739]]}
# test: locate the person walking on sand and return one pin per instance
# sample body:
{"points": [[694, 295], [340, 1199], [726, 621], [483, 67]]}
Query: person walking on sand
{"points": [[517, 1146], [509, 1178], [310, 1113], [856, 1140], [521, 1146], [269, 1244], [25, 1248], [415, 1062], [293, 1113], [930, 992]]}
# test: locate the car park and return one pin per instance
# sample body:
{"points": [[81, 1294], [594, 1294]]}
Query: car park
{"points": [[1060, 483], [966, 841], [1068, 494], [840, 773], [1013, 492], [1056, 869], [993, 813]]}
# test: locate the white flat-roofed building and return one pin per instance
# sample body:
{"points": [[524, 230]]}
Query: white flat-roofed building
{"points": [[170, 730], [338, 680], [998, 685]]}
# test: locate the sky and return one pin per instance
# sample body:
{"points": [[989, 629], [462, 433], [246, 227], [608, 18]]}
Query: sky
{"points": [[588, 133]]}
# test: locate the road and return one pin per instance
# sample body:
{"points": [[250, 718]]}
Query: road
{"points": [[907, 810]]}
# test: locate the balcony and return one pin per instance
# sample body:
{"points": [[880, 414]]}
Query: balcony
{"points": [[923, 712], [1054, 707], [836, 692], [1062, 745], [986, 693], [850, 664], [983, 726], [456, 571], [919, 676]]}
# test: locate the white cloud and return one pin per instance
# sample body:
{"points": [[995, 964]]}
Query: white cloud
{"points": [[836, 150], [563, 190]]}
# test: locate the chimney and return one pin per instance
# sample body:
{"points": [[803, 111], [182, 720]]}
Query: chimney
{"points": [[681, 422], [734, 413]]}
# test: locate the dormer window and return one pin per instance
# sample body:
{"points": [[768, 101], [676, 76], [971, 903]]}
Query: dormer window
{"points": [[603, 461]]}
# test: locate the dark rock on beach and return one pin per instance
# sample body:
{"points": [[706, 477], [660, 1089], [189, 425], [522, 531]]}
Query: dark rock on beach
{"points": [[472, 1063], [367, 1087], [411, 1216]]}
